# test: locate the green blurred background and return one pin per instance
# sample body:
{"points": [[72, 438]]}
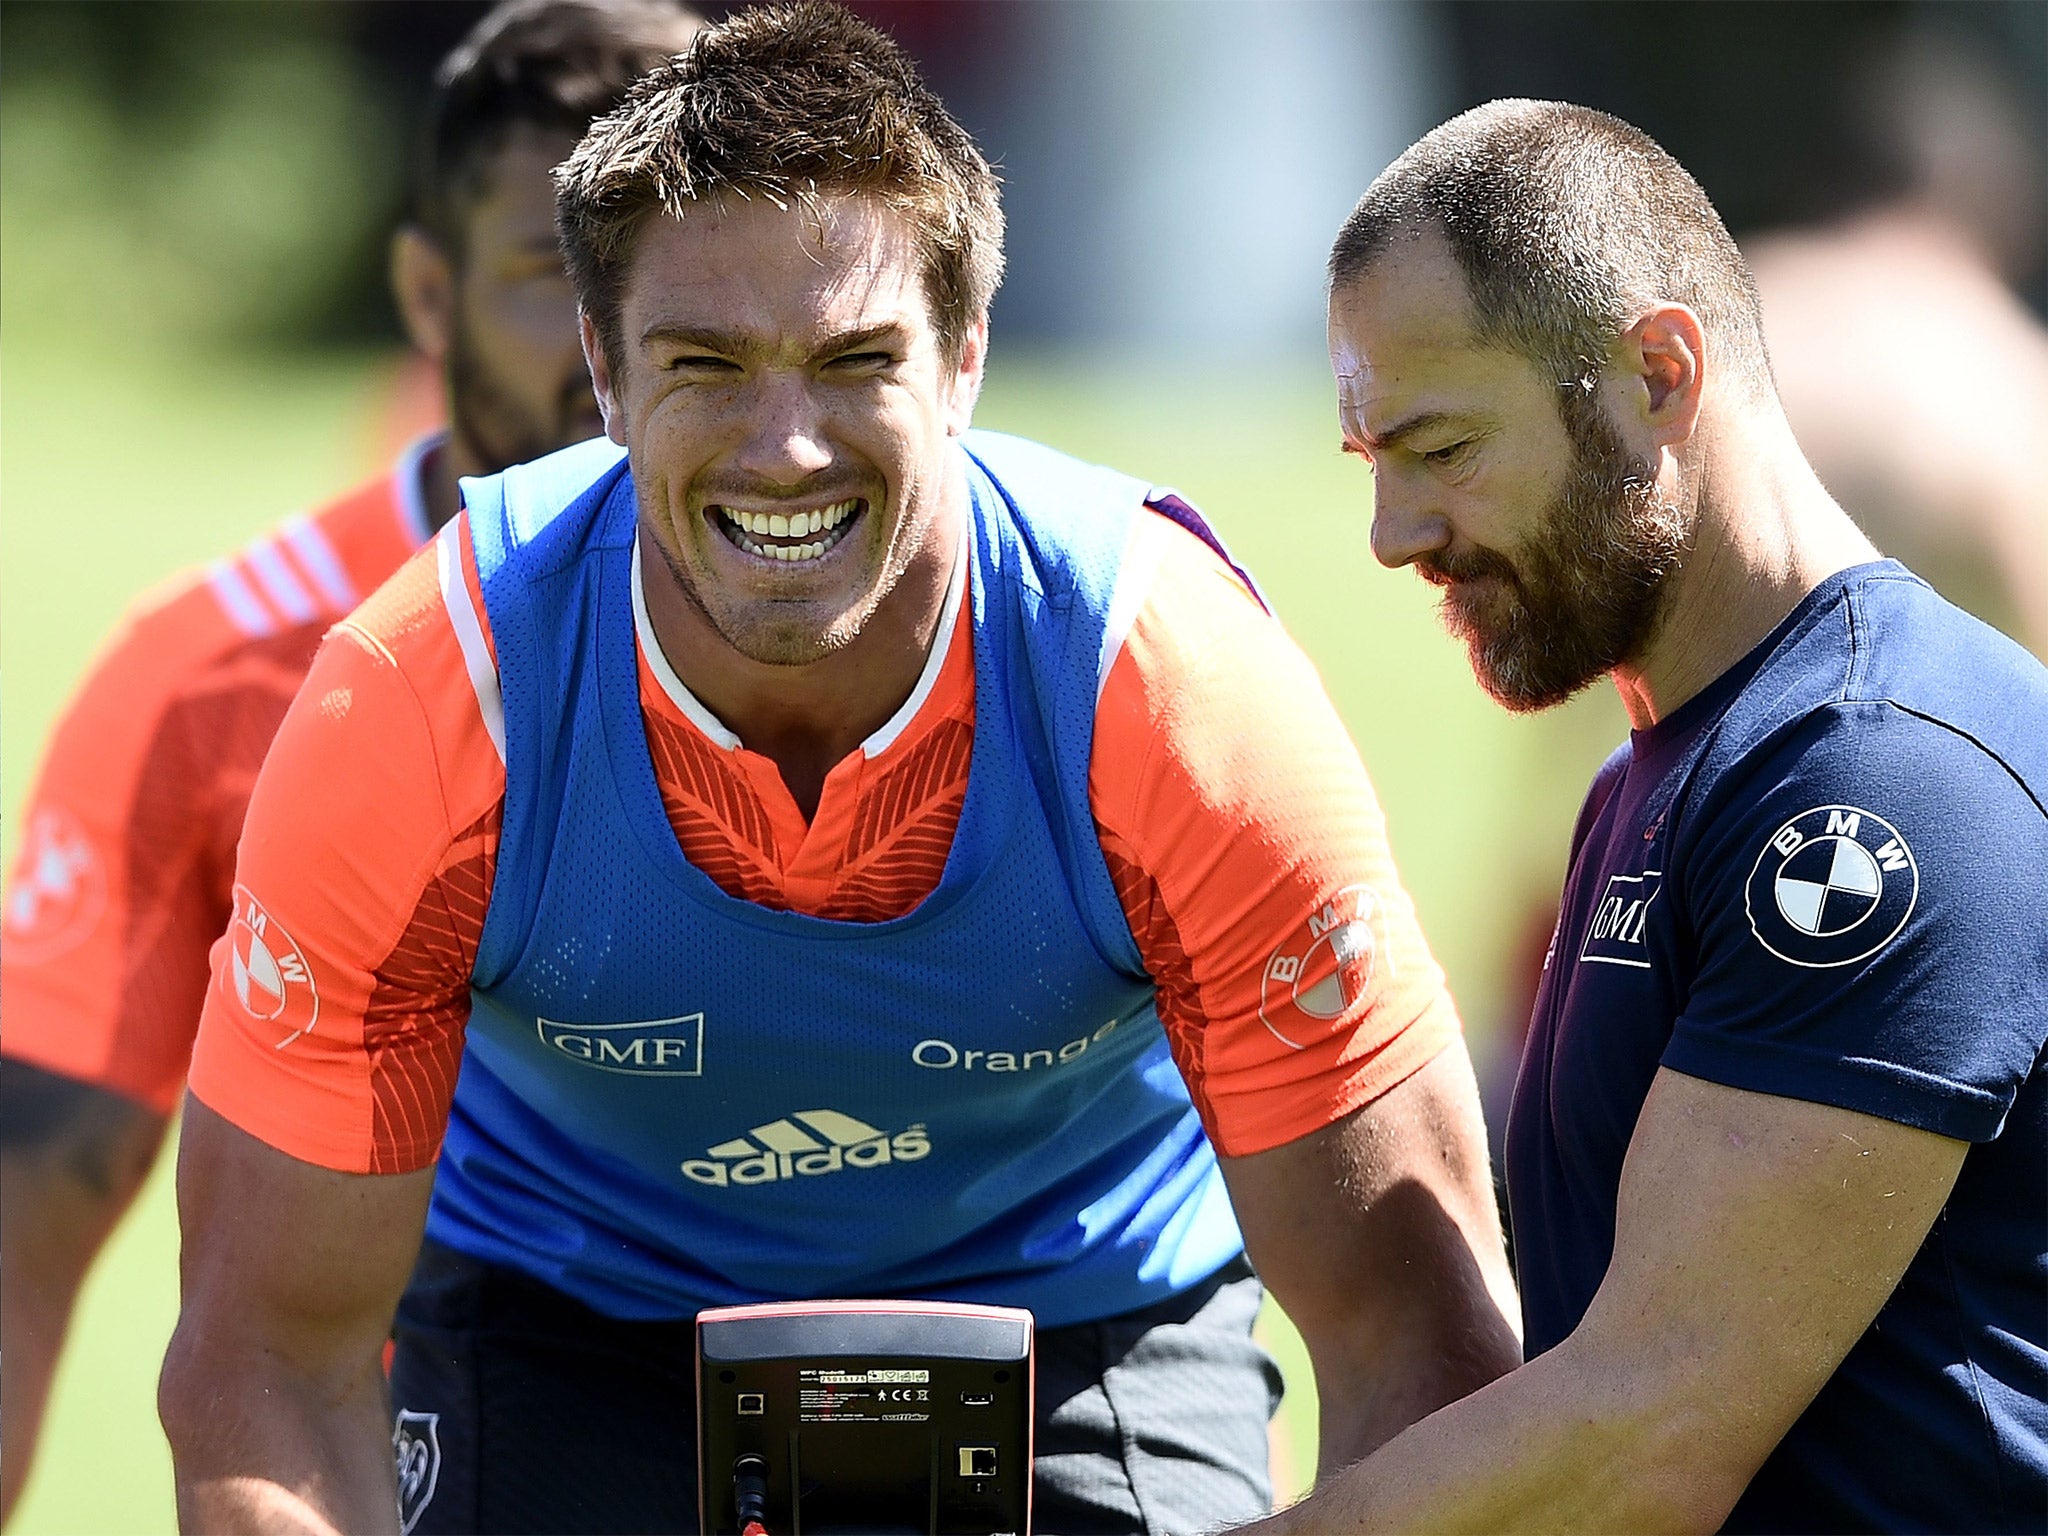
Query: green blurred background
{"points": [[193, 205]]}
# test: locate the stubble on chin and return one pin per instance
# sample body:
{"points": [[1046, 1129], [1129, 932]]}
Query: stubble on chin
{"points": [[1586, 596], [793, 632]]}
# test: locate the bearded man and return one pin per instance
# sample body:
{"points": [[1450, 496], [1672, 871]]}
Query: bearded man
{"points": [[1778, 1158]]}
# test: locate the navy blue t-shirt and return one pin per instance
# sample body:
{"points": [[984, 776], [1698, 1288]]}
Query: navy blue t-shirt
{"points": [[1826, 878]]}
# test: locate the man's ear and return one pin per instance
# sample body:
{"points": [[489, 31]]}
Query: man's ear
{"points": [[423, 283], [601, 381], [1663, 363], [967, 377]]}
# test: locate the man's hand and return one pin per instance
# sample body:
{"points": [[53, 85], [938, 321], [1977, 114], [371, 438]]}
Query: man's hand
{"points": [[1755, 1240], [273, 1391], [1380, 1238], [71, 1158]]}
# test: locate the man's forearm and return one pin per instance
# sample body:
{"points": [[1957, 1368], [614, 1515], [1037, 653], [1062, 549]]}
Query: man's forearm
{"points": [[258, 1449], [44, 1253], [273, 1392], [1550, 1447], [1379, 1237], [1364, 1403], [71, 1159]]}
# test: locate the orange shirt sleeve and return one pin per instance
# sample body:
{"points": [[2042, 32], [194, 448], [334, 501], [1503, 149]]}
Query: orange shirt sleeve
{"points": [[128, 836], [128, 845], [1251, 858], [333, 1026]]}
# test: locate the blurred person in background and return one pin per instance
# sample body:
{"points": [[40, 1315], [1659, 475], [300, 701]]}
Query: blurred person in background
{"points": [[123, 878], [1914, 376], [845, 854], [1778, 1157]]}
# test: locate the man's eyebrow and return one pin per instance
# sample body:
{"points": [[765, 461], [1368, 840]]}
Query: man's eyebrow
{"points": [[866, 336], [707, 337], [733, 343], [1407, 427]]}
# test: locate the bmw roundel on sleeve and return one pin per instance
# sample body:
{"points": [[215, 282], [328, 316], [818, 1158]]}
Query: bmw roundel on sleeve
{"points": [[270, 977], [59, 889], [1329, 963], [1832, 886]]}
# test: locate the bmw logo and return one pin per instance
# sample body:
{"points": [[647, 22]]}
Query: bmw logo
{"points": [[1834, 885]]}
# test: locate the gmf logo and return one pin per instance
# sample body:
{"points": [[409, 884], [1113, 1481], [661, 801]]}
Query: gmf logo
{"points": [[271, 979], [1324, 968]]}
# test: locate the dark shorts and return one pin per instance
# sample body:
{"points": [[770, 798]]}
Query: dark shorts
{"points": [[520, 1410]]}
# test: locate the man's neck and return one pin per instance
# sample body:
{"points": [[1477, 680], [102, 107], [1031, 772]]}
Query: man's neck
{"points": [[442, 471], [1768, 533], [807, 718]]}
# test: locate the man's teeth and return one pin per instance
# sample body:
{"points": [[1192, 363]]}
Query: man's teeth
{"points": [[781, 525], [794, 525]]}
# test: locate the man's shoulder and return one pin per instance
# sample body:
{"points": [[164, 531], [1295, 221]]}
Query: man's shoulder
{"points": [[1089, 525], [1056, 521], [363, 535], [1923, 655], [1885, 679], [410, 623], [1024, 465], [1848, 790], [544, 513], [246, 615]]}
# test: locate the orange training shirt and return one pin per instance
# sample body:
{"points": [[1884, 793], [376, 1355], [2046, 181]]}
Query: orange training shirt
{"points": [[1239, 826], [121, 880]]}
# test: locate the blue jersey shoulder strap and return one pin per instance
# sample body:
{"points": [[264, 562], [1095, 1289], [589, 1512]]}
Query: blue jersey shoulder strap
{"points": [[531, 526], [1055, 535]]}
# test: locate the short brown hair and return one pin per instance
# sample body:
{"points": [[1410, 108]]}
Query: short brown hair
{"points": [[1566, 223], [787, 102], [547, 64]]}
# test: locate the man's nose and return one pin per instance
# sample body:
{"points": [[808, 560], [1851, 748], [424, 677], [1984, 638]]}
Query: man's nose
{"points": [[1405, 523], [785, 439]]}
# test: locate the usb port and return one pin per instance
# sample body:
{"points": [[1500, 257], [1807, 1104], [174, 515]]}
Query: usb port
{"points": [[977, 1399], [752, 1403]]}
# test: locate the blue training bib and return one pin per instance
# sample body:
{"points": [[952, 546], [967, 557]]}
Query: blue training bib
{"points": [[672, 1098]]}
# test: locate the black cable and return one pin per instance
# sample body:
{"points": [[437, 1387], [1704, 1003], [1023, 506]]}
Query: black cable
{"points": [[750, 1493]]}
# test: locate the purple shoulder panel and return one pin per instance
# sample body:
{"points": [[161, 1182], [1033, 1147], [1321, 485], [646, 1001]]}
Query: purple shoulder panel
{"points": [[1170, 504]]}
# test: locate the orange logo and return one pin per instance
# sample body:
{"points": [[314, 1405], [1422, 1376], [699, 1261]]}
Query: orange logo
{"points": [[59, 889], [1314, 978], [272, 981]]}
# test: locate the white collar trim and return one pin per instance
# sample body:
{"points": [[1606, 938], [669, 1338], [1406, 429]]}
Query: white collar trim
{"points": [[408, 484], [935, 663], [692, 707]]}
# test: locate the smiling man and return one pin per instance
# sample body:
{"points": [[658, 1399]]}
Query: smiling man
{"points": [[1778, 1156], [845, 854]]}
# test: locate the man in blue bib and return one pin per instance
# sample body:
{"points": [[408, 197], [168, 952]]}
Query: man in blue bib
{"points": [[1778, 1155], [843, 854]]}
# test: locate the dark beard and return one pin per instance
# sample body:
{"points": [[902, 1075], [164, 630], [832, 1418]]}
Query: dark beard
{"points": [[496, 428], [1584, 595]]}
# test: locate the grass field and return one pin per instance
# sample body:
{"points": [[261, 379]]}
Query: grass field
{"points": [[120, 463]]}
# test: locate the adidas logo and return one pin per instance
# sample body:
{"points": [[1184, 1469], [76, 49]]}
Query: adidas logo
{"points": [[825, 1142]]}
